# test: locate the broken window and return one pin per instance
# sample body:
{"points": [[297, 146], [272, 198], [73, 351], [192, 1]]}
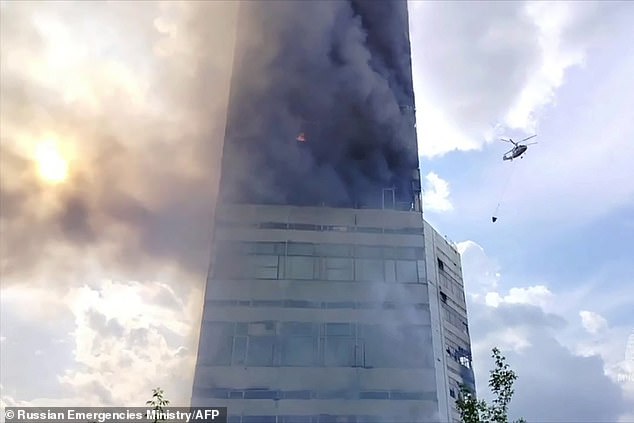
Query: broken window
{"points": [[441, 265]]}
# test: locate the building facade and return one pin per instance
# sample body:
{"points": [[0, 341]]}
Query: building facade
{"points": [[448, 309], [324, 302]]}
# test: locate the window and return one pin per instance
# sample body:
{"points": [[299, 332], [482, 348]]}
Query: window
{"points": [[260, 394], [261, 328], [273, 248], [216, 343], [403, 253], [261, 351], [339, 351], [334, 250], [390, 271], [239, 350], [369, 270], [339, 329], [406, 271], [298, 329], [297, 395], [228, 266], [452, 393], [300, 267], [339, 344], [262, 267], [365, 251], [338, 269], [374, 395], [441, 265], [300, 249], [340, 304], [273, 225], [400, 347], [465, 362]]}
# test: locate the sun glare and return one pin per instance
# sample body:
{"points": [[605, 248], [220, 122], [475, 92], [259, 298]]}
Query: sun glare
{"points": [[51, 164]]}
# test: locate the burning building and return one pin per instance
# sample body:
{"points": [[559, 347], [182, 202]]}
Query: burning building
{"points": [[320, 302]]}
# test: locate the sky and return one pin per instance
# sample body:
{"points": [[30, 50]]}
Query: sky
{"points": [[108, 178]]}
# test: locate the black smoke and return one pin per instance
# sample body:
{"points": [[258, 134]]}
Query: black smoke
{"points": [[338, 77]]}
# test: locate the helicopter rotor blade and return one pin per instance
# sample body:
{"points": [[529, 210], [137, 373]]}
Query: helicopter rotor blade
{"points": [[526, 139], [531, 143], [509, 140]]}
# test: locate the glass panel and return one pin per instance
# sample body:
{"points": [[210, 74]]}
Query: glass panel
{"points": [[396, 395], [241, 328], [300, 267], [264, 273], [297, 394], [390, 271], [216, 343], [299, 351], [340, 304], [300, 249], [260, 394], [403, 253], [338, 269], [260, 350], [273, 248], [339, 329], [334, 250], [339, 351], [370, 270], [298, 328], [228, 266], [365, 251], [406, 271], [374, 395], [262, 328], [261, 261], [239, 349], [384, 347]]}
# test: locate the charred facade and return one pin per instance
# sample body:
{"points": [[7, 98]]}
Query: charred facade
{"points": [[322, 107]]}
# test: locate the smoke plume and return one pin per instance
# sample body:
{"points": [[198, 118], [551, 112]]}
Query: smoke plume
{"points": [[333, 121]]}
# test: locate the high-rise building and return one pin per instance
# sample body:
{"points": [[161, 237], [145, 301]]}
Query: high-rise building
{"points": [[324, 302]]}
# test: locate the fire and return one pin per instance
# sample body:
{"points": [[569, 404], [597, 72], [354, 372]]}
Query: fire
{"points": [[301, 137]]}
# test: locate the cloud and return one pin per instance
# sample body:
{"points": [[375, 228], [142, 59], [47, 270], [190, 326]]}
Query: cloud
{"points": [[498, 66], [592, 322], [139, 113], [481, 273], [538, 295], [118, 340], [436, 194], [550, 351], [134, 95]]}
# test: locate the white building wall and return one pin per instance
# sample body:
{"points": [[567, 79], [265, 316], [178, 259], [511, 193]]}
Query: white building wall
{"points": [[233, 301], [447, 291]]}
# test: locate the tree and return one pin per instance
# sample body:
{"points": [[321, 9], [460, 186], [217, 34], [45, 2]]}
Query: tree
{"points": [[158, 404], [501, 384]]}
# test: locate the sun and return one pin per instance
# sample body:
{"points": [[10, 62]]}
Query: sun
{"points": [[52, 165]]}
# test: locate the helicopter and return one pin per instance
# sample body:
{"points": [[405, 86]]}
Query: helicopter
{"points": [[518, 150]]}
